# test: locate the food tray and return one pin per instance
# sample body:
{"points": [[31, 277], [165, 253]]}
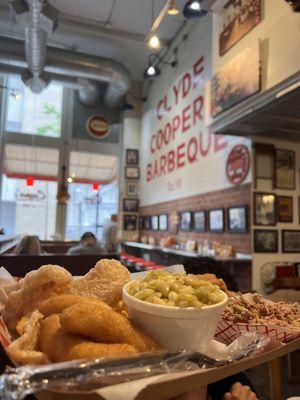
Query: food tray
{"points": [[228, 331]]}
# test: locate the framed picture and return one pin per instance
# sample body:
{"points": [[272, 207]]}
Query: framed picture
{"points": [[147, 223], [264, 209], [265, 241], [236, 20], [132, 157], [237, 219], [264, 163], [185, 221], [199, 222], [290, 240], [216, 220], [236, 81], [132, 172], [132, 188], [141, 223], [130, 222], [285, 169], [174, 222], [163, 222], [154, 222], [284, 209], [297, 267], [131, 205]]}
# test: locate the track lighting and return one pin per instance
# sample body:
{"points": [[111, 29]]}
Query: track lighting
{"points": [[193, 9], [173, 8], [152, 69], [127, 106], [154, 42]]}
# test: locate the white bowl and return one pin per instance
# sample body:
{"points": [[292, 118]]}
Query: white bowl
{"points": [[175, 328]]}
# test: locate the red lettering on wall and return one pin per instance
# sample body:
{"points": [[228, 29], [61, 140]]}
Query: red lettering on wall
{"points": [[197, 109], [171, 161], [176, 91], [186, 116], [198, 69], [204, 151], [175, 125], [180, 155], [220, 142], [186, 84], [192, 150]]}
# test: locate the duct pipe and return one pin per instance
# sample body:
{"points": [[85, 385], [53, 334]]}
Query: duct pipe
{"points": [[76, 65]]}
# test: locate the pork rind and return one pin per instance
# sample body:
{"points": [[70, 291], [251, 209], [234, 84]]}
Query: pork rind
{"points": [[104, 282]]}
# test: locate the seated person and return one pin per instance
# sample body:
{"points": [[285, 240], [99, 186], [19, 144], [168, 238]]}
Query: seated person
{"points": [[110, 234], [29, 245], [88, 245]]}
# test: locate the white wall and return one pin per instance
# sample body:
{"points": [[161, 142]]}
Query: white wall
{"points": [[260, 258]]}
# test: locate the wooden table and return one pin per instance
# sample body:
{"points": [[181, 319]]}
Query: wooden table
{"points": [[166, 390]]}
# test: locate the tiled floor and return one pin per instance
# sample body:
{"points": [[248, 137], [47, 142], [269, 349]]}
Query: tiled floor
{"points": [[260, 379]]}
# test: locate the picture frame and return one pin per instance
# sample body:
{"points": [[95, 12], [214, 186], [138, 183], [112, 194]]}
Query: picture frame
{"points": [[265, 241], [237, 217], [290, 241], [130, 205], [132, 157], [264, 209], [154, 222], [185, 224], [174, 222], [235, 22], [199, 221], [285, 174], [284, 209], [132, 172], [216, 220], [147, 223], [297, 269], [264, 164], [163, 222], [132, 188], [130, 222]]}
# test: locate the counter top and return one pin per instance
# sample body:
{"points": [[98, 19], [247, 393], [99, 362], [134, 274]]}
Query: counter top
{"points": [[241, 258]]}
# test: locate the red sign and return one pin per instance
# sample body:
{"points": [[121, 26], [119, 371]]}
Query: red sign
{"points": [[238, 164], [98, 127]]}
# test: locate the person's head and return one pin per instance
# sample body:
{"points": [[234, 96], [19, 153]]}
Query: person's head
{"points": [[29, 245], [114, 217], [88, 239]]}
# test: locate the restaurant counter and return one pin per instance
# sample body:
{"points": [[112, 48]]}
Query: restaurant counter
{"points": [[239, 266]]}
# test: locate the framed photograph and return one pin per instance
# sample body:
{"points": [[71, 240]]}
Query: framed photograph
{"points": [[131, 205], [285, 169], [264, 164], [141, 223], [297, 268], [284, 209], [132, 172], [216, 220], [265, 241], [199, 222], [132, 188], [130, 222], [147, 223], [236, 19], [290, 240], [237, 219], [174, 222], [264, 209], [163, 222], [185, 221], [154, 222], [132, 157], [236, 81]]}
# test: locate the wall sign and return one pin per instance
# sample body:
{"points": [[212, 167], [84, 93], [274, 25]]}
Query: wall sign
{"points": [[238, 164], [98, 127], [38, 195]]}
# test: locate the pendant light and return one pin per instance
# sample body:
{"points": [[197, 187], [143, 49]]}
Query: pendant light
{"points": [[193, 9], [173, 8]]}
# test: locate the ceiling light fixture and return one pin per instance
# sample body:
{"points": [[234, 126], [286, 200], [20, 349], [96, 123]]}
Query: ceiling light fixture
{"points": [[193, 9], [154, 42], [152, 69], [173, 8], [127, 106]]}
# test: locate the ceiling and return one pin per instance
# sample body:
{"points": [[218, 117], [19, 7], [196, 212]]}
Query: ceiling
{"points": [[30, 160], [92, 167], [82, 28]]}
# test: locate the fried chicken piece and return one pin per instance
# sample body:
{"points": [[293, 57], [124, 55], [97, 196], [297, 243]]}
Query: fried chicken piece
{"points": [[47, 281], [214, 280], [56, 304], [60, 345], [24, 349], [104, 281], [102, 324]]}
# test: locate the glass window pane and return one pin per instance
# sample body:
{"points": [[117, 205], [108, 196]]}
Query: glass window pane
{"points": [[38, 114], [82, 211], [28, 210]]}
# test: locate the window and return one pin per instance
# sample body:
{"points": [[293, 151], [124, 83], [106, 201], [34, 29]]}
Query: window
{"points": [[89, 210], [38, 114], [28, 210]]}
